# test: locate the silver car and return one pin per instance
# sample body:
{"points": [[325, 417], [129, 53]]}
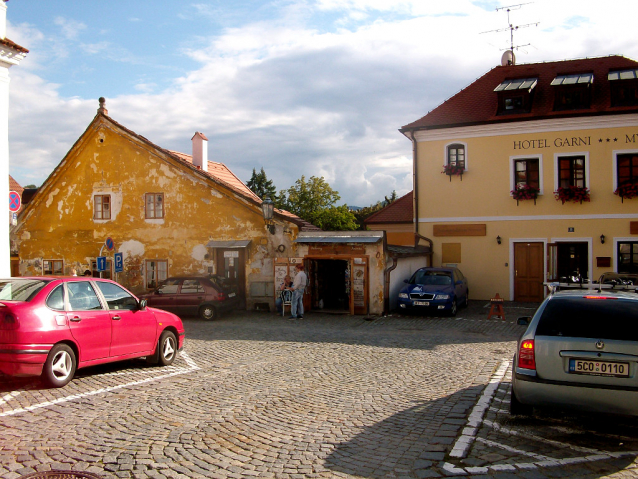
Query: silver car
{"points": [[580, 351]]}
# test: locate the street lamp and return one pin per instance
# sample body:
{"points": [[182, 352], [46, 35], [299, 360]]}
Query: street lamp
{"points": [[268, 209]]}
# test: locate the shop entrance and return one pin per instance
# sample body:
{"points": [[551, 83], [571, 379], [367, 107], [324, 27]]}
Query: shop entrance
{"points": [[573, 261], [330, 285]]}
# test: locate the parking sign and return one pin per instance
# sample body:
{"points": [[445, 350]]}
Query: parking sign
{"points": [[119, 262], [101, 263]]}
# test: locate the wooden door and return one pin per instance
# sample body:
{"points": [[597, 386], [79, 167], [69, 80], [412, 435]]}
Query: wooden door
{"points": [[528, 272], [231, 265]]}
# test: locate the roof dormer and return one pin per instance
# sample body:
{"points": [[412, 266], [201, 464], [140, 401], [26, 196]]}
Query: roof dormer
{"points": [[572, 91], [623, 86], [515, 96]]}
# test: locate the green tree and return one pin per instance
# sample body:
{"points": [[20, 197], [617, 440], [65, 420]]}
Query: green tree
{"points": [[261, 185], [314, 200], [363, 213]]}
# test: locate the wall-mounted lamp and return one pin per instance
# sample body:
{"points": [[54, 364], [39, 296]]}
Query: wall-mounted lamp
{"points": [[602, 239], [268, 209], [498, 239]]}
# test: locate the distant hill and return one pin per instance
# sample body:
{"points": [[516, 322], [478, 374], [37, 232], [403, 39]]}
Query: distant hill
{"points": [[355, 208]]}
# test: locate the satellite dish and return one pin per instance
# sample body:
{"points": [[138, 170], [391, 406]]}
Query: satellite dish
{"points": [[508, 58]]}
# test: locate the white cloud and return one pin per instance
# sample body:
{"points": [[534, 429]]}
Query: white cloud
{"points": [[71, 29], [300, 96]]}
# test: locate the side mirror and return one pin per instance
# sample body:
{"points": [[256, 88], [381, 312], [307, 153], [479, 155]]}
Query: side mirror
{"points": [[142, 304], [405, 280], [524, 320]]}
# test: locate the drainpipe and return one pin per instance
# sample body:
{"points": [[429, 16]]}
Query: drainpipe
{"points": [[415, 188], [386, 284]]}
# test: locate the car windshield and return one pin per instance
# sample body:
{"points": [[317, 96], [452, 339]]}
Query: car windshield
{"points": [[440, 278], [614, 318], [20, 289]]}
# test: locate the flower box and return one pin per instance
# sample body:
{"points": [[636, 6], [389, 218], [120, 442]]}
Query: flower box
{"points": [[453, 170], [627, 191], [525, 192], [576, 194]]}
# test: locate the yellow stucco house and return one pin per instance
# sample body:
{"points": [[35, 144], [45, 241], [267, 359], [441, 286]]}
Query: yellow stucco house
{"points": [[530, 175], [167, 213]]}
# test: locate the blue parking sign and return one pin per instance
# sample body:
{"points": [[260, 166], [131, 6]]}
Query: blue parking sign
{"points": [[101, 263], [119, 262]]}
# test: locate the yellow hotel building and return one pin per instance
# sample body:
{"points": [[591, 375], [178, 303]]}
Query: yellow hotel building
{"points": [[530, 175]]}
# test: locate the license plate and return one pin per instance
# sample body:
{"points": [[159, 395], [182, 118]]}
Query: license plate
{"points": [[421, 303], [598, 368], [231, 295]]}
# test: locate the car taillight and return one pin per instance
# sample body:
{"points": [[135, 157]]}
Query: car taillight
{"points": [[526, 355], [222, 296]]}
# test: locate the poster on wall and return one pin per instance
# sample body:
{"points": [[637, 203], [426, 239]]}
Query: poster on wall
{"points": [[358, 285]]}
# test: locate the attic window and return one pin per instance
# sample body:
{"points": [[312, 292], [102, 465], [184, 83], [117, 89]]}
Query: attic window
{"points": [[572, 92], [624, 87], [515, 96]]}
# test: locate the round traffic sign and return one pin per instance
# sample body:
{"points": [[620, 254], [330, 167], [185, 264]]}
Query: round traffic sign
{"points": [[109, 243], [14, 201]]}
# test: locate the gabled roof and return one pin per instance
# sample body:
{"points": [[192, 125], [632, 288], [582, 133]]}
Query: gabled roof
{"points": [[15, 186], [399, 211], [222, 173], [219, 173], [478, 102]]}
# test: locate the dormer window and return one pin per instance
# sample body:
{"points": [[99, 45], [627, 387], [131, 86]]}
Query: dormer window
{"points": [[624, 87], [572, 92], [515, 96]]}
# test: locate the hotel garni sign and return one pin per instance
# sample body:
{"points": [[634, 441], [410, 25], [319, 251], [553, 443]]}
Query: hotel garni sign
{"points": [[561, 142]]}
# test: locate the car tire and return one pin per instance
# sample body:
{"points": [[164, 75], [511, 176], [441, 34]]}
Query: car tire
{"points": [[454, 308], [208, 312], [167, 348], [517, 408], [60, 366]]}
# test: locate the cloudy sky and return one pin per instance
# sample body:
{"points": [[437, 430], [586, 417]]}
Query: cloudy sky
{"points": [[298, 87]]}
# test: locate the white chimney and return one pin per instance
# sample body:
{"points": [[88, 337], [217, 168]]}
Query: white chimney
{"points": [[200, 151]]}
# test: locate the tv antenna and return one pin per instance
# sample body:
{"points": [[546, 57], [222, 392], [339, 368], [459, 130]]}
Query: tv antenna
{"points": [[512, 28]]}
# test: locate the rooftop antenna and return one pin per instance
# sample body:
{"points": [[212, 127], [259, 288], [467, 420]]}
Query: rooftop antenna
{"points": [[511, 59]]}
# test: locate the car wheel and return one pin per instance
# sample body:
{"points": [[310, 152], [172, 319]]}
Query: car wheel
{"points": [[517, 408], [208, 312], [167, 348], [454, 308], [59, 367]]}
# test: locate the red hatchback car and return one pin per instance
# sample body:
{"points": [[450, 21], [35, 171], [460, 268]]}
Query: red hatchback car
{"points": [[51, 326]]}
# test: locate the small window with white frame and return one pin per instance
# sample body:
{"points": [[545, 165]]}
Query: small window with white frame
{"points": [[456, 155], [572, 170], [102, 207]]}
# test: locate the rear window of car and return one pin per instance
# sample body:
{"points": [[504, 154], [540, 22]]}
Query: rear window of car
{"points": [[590, 318], [20, 289]]}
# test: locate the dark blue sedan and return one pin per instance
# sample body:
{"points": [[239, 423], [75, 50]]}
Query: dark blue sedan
{"points": [[434, 289]]}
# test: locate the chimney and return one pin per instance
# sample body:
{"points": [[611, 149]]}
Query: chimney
{"points": [[200, 151]]}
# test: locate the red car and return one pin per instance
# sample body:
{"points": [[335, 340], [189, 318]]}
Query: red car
{"points": [[51, 326], [193, 295]]}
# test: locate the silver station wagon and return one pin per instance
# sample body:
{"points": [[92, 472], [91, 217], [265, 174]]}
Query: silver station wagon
{"points": [[580, 351]]}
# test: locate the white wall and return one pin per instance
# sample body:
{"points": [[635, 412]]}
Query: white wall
{"points": [[404, 269]]}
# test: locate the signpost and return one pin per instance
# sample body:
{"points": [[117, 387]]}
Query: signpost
{"points": [[101, 263], [119, 262], [14, 201]]}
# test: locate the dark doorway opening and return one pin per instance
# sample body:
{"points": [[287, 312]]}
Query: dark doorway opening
{"points": [[573, 262], [331, 287]]}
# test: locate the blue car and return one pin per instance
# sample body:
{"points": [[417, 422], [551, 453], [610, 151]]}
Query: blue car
{"points": [[434, 289]]}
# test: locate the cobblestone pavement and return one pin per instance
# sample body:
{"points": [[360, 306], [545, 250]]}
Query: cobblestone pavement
{"points": [[255, 395]]}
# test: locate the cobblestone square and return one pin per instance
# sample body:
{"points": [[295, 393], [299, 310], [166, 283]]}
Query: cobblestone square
{"points": [[255, 395]]}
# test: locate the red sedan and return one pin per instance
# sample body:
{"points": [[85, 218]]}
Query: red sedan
{"points": [[51, 326]]}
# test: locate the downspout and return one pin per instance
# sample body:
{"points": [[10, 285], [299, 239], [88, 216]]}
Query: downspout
{"points": [[386, 285], [415, 188]]}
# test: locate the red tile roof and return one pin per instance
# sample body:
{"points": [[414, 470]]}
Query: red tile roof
{"points": [[11, 44], [477, 103], [222, 173], [399, 211], [15, 186]]}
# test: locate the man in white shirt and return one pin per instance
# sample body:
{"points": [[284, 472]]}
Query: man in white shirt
{"points": [[298, 286]]}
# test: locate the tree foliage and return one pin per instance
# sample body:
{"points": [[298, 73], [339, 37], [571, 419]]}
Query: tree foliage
{"points": [[313, 200], [261, 185], [362, 214]]}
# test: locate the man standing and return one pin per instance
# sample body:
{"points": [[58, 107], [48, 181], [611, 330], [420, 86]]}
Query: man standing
{"points": [[298, 287]]}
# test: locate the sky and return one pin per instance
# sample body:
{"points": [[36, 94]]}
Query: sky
{"points": [[298, 87]]}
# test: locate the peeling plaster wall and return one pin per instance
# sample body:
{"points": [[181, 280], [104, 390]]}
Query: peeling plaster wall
{"points": [[59, 224]]}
